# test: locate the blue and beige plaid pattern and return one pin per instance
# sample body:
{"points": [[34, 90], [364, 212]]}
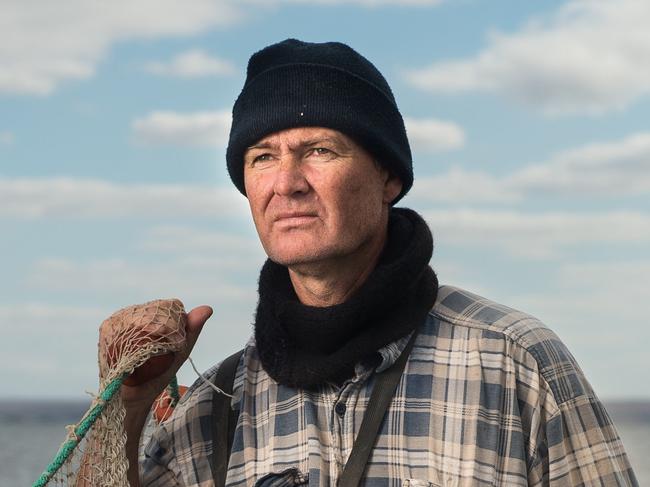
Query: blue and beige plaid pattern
{"points": [[489, 396]]}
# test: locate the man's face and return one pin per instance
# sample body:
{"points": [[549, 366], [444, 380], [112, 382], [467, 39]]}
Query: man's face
{"points": [[316, 195]]}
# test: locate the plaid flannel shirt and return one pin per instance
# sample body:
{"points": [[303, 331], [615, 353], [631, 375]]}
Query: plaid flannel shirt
{"points": [[489, 396]]}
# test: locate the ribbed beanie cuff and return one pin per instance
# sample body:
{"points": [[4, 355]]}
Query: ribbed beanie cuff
{"points": [[297, 84]]}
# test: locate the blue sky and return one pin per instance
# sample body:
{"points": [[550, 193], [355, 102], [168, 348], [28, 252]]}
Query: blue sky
{"points": [[528, 123]]}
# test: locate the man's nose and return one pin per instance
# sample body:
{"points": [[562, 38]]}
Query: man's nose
{"points": [[289, 178]]}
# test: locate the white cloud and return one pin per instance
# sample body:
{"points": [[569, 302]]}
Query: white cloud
{"points": [[92, 198], [206, 278], [462, 187], [196, 265], [365, 3], [603, 170], [591, 296], [191, 240], [169, 260], [43, 343], [211, 128], [613, 169], [6, 138], [34, 317], [428, 134], [52, 349], [589, 57], [206, 128], [204, 250], [194, 63], [599, 310], [628, 278], [537, 235], [47, 43]]}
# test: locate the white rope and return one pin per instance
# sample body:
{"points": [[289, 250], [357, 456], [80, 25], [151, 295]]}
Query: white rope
{"points": [[207, 381]]}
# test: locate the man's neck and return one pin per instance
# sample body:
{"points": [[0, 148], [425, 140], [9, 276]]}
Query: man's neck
{"points": [[325, 284]]}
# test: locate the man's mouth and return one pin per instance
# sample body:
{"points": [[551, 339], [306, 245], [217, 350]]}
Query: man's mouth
{"points": [[295, 217]]}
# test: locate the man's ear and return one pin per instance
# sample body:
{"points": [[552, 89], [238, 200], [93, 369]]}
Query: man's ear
{"points": [[392, 188]]}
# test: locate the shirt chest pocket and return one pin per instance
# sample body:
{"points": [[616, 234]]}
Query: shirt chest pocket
{"points": [[291, 477], [419, 483]]}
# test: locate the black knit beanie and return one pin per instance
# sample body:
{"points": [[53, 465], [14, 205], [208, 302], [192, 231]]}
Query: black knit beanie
{"points": [[303, 84]]}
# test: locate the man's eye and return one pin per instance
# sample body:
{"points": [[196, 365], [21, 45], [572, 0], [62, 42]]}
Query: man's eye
{"points": [[323, 152], [262, 158]]}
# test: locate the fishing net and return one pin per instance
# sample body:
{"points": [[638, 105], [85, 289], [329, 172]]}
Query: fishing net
{"points": [[93, 453]]}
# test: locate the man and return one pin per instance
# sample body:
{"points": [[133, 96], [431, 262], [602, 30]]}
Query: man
{"points": [[487, 396]]}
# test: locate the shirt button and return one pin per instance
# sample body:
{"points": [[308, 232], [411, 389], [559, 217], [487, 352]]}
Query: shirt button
{"points": [[340, 408]]}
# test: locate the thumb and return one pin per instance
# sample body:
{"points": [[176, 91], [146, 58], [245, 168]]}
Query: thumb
{"points": [[195, 321]]}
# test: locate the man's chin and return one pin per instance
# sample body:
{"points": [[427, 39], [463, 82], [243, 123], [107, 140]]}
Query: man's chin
{"points": [[294, 260], [300, 258]]}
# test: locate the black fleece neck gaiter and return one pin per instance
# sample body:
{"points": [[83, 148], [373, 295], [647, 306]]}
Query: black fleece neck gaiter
{"points": [[306, 346]]}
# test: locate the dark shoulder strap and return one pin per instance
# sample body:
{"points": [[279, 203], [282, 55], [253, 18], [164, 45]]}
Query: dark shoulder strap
{"points": [[380, 399], [224, 418]]}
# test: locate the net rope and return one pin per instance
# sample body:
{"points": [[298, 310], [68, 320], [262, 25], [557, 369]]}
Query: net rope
{"points": [[93, 453]]}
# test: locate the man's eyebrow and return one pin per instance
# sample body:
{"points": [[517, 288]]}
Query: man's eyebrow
{"points": [[320, 140], [306, 143], [262, 145]]}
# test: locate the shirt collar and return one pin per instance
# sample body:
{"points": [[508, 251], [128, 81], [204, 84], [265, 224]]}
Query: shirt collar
{"points": [[391, 352], [386, 356]]}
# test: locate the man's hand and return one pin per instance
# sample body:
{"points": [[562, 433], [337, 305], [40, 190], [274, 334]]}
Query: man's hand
{"points": [[138, 399], [143, 395]]}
